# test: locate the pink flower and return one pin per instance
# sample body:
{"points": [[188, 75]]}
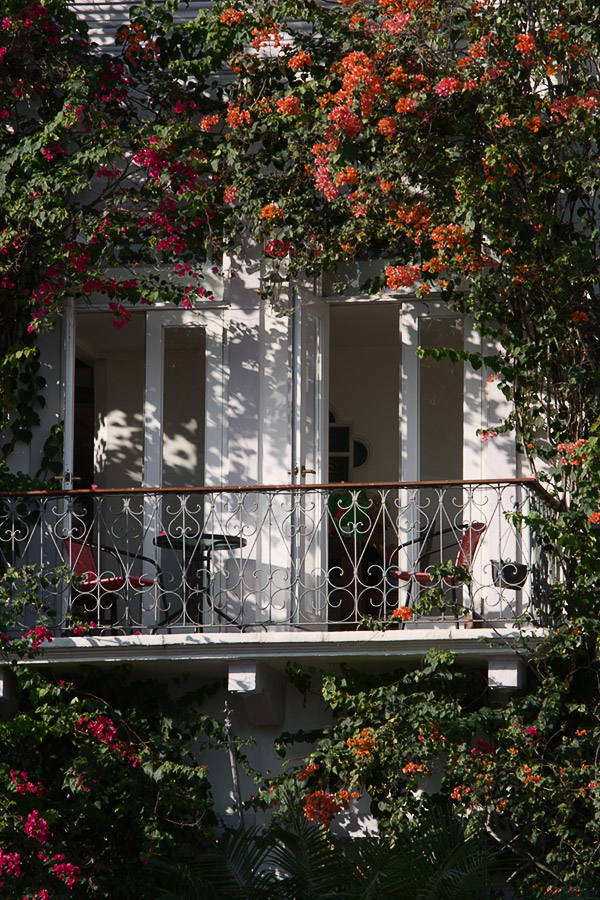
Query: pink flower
{"points": [[531, 731], [38, 635], [36, 827], [484, 436], [10, 863], [448, 86], [66, 871], [482, 747], [346, 120], [24, 786]]}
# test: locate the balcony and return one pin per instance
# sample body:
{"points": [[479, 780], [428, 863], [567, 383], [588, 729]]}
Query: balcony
{"points": [[296, 559]]}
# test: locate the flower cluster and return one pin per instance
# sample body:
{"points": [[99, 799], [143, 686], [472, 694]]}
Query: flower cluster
{"points": [[10, 863], [237, 116], [37, 827], [38, 635], [570, 450], [322, 806], [288, 105], [402, 276], [448, 86], [271, 211], [486, 434], [402, 612], [207, 123], [84, 627], [231, 16], [364, 743], [525, 44], [104, 730], [66, 871], [278, 249], [459, 792], [309, 769], [388, 127], [300, 60], [346, 120], [24, 786], [482, 748]]}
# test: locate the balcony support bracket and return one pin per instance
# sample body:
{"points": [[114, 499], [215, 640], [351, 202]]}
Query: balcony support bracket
{"points": [[506, 673], [262, 689]]}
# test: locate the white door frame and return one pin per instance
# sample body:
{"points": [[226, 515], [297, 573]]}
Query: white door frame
{"points": [[310, 342]]}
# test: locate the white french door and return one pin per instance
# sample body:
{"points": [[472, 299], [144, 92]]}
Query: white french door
{"points": [[144, 406], [440, 411], [309, 461]]}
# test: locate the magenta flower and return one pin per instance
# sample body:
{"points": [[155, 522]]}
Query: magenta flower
{"points": [[36, 827], [531, 731], [482, 747]]}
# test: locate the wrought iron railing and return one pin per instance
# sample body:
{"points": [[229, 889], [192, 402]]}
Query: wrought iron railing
{"points": [[289, 557]]}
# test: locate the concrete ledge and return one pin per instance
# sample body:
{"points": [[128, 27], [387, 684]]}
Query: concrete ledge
{"points": [[314, 647]]}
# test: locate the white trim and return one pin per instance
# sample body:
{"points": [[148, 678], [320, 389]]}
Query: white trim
{"points": [[68, 392]]}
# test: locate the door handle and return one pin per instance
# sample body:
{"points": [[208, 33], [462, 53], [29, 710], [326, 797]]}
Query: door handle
{"points": [[304, 471]]}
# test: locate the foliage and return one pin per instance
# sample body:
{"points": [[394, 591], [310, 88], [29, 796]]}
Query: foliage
{"points": [[99, 771], [458, 145], [455, 142], [294, 859]]}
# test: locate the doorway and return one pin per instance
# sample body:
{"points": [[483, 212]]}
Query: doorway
{"points": [[147, 400]]}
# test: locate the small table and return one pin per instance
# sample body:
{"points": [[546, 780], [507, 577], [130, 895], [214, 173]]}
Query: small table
{"points": [[196, 554]]}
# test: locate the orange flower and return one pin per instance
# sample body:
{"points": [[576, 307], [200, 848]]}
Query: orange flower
{"points": [[364, 743], [402, 612], [207, 123], [402, 276], [525, 44], [595, 520], [236, 116], [534, 124], [321, 806], [579, 316], [460, 792], [300, 60], [349, 175], [308, 770], [231, 16], [405, 105], [271, 211], [288, 106]]}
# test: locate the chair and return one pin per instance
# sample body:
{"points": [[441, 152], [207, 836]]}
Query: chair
{"points": [[465, 556], [94, 593]]}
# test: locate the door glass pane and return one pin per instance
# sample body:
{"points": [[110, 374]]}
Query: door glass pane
{"points": [[109, 401], [438, 524], [183, 406], [441, 401]]}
